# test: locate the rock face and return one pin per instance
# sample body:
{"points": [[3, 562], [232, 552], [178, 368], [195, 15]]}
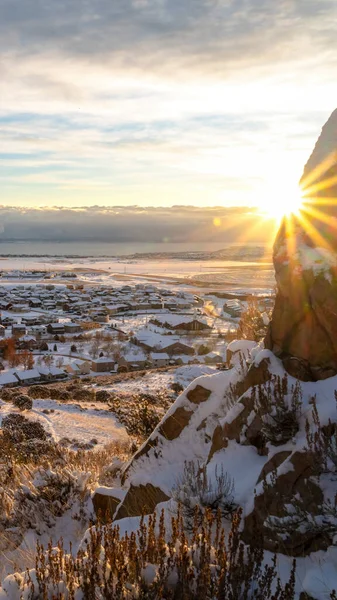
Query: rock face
{"points": [[293, 481], [184, 434], [303, 330]]}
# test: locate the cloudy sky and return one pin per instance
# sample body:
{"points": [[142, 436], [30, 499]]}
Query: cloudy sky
{"points": [[158, 103]]}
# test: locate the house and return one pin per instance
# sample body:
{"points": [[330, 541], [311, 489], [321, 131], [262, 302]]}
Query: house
{"points": [[181, 323], [20, 308], [5, 305], [51, 373], [133, 361], [27, 342], [102, 365], [178, 348], [232, 307], [78, 368], [100, 318], [114, 309], [160, 359], [18, 330], [28, 377], [213, 358], [39, 329], [56, 328], [8, 380], [7, 321], [72, 328], [35, 303], [2, 331], [30, 320]]}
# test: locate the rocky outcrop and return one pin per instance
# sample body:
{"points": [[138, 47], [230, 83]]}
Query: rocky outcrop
{"points": [[184, 434], [140, 500], [303, 330], [105, 505], [292, 478]]}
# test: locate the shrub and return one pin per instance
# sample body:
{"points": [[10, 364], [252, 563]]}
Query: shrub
{"points": [[177, 387], [279, 413], [252, 325], [322, 442], [313, 513], [197, 494], [7, 395], [23, 402], [102, 396], [64, 396], [41, 392], [48, 497], [26, 439], [203, 349], [147, 418], [83, 395], [147, 566]]}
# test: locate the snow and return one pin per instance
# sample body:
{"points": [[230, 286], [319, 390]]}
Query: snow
{"points": [[321, 579], [73, 421], [191, 444], [153, 381], [244, 346], [28, 375], [159, 356], [8, 378], [317, 259]]}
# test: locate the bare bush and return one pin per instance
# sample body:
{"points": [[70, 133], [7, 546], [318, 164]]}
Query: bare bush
{"points": [[7, 395], [23, 402], [279, 408], [149, 565], [322, 442], [102, 396], [197, 494], [24, 438], [252, 325], [41, 392], [83, 395]]}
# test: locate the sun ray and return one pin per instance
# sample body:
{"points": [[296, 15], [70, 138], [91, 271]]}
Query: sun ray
{"points": [[321, 185], [290, 234], [321, 201], [326, 164], [320, 216], [315, 236]]}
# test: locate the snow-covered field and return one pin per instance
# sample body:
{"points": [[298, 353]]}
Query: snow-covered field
{"points": [[85, 421], [246, 274], [77, 422], [154, 382]]}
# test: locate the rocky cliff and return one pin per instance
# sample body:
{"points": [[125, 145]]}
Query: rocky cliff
{"points": [[303, 330]]}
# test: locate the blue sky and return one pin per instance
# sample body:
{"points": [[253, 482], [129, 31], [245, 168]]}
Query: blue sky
{"points": [[161, 102]]}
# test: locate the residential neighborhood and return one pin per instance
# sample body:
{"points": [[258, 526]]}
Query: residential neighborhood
{"points": [[50, 331]]}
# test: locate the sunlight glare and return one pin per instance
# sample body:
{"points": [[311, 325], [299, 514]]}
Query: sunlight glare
{"points": [[280, 201]]}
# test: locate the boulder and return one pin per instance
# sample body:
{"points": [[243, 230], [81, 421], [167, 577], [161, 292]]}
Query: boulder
{"points": [[219, 442], [257, 374], [174, 424], [105, 505], [293, 479], [303, 329], [198, 395], [140, 500]]}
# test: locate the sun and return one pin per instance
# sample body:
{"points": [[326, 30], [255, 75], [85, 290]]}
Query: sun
{"points": [[280, 200]]}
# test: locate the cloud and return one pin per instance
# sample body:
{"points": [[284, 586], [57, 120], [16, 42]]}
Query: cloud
{"points": [[160, 101], [130, 224], [157, 34]]}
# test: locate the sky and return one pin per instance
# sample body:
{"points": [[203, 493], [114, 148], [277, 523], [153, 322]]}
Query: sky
{"points": [[160, 103]]}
